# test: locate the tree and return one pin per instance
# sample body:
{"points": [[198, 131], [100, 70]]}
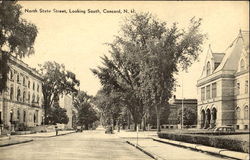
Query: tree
{"points": [[189, 116], [57, 115], [144, 60], [86, 113], [17, 37], [56, 81], [110, 106]]}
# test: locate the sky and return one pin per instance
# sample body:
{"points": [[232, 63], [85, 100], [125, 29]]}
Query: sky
{"points": [[78, 40]]}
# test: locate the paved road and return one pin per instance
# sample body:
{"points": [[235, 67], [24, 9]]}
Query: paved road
{"points": [[88, 145]]}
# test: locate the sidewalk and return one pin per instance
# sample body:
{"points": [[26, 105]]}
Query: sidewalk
{"points": [[46, 134], [6, 141], [160, 149], [17, 139]]}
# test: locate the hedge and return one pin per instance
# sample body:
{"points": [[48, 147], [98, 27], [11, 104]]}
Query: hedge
{"points": [[218, 142]]}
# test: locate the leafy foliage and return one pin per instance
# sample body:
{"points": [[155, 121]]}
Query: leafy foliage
{"points": [[57, 115], [189, 116], [144, 59], [17, 36], [87, 115], [56, 81]]}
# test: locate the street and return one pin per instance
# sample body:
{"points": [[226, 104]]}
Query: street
{"points": [[94, 144], [84, 145]]}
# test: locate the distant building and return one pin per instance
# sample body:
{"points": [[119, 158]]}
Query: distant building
{"points": [[66, 102], [175, 106], [21, 103], [223, 88]]}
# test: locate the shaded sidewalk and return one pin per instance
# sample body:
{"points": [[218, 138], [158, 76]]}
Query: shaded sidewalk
{"points": [[18, 139], [159, 148]]}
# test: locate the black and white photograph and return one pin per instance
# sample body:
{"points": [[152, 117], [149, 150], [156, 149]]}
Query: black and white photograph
{"points": [[124, 80]]}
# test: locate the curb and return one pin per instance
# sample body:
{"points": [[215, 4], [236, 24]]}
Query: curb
{"points": [[207, 149], [9, 144], [152, 155]]}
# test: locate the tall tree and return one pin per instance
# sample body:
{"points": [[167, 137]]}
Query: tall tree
{"points": [[56, 81], [165, 55], [189, 116], [57, 114], [17, 37], [144, 59], [87, 115]]}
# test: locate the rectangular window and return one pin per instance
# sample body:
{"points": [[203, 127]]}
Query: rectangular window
{"points": [[214, 90], [208, 92], [246, 86], [203, 93]]}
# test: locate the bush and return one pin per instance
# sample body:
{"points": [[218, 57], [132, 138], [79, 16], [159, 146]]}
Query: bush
{"points": [[218, 142]]}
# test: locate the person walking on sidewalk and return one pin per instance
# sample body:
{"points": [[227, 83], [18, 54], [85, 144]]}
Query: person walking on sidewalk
{"points": [[56, 128]]}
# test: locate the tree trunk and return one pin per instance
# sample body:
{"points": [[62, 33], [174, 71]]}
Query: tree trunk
{"points": [[158, 121], [128, 120], [135, 126]]}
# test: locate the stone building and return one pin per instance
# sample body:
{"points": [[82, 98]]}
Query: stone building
{"points": [[175, 106], [21, 103], [66, 102], [223, 88]]}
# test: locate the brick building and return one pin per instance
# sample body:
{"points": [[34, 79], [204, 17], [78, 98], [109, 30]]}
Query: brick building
{"points": [[223, 88], [21, 103], [175, 106]]}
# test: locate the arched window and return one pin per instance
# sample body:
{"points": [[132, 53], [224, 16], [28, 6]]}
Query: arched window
{"points": [[34, 118], [246, 113], [242, 65], [33, 85], [28, 84], [208, 68], [237, 113]]}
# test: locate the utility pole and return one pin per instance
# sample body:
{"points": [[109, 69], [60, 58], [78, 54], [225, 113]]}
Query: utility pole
{"points": [[182, 107]]}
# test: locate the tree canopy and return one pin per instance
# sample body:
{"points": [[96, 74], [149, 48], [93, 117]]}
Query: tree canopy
{"points": [[17, 37], [56, 81], [144, 59]]}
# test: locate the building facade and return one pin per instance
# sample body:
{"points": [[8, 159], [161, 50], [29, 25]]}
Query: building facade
{"points": [[21, 103], [175, 106], [66, 102], [223, 88]]}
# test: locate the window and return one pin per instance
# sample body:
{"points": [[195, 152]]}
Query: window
{"points": [[24, 81], [18, 114], [17, 78], [242, 65], [33, 85], [24, 116], [208, 92], [24, 96], [246, 114], [18, 95], [238, 113], [28, 97], [11, 74], [11, 93], [246, 86], [203, 93], [214, 90], [37, 98], [33, 98], [37, 88], [208, 68], [28, 84]]}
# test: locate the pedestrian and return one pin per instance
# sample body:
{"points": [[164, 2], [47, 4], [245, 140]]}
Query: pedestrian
{"points": [[56, 128]]}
